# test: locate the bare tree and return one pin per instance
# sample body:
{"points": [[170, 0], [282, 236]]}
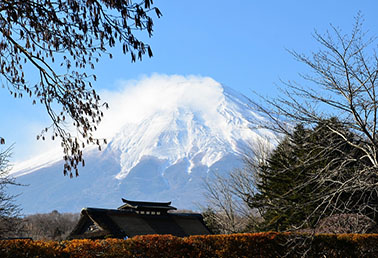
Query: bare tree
{"points": [[227, 211], [228, 196], [10, 223], [342, 84], [59, 40], [50, 226]]}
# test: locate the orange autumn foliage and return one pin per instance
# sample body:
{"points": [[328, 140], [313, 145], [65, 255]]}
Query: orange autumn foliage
{"points": [[266, 244]]}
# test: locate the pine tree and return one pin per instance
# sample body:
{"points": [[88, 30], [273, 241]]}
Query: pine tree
{"points": [[278, 179], [298, 184]]}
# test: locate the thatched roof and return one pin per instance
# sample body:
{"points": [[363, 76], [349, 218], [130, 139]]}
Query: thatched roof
{"points": [[97, 223]]}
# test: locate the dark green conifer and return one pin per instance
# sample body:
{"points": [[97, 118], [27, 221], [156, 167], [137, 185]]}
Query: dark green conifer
{"points": [[298, 184]]}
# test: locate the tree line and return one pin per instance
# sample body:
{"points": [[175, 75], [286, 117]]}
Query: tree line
{"points": [[45, 226]]}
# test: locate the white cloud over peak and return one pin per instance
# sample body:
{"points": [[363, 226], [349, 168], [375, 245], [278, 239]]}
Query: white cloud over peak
{"points": [[137, 100], [134, 101]]}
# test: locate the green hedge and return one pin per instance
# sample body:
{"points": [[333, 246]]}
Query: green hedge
{"points": [[269, 244]]}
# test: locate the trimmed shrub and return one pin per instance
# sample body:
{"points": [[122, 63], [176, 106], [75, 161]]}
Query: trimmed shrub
{"points": [[267, 244]]}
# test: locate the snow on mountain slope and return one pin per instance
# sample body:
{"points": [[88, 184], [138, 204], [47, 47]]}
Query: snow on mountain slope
{"points": [[166, 134]]}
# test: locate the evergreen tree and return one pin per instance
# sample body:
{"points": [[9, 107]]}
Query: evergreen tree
{"points": [[298, 185]]}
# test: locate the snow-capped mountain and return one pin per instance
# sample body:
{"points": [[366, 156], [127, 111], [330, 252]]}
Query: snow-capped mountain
{"points": [[166, 135]]}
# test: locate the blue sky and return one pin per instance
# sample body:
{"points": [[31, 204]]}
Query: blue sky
{"points": [[240, 43]]}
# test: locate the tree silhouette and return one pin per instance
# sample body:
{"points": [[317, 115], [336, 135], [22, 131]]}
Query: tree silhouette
{"points": [[60, 40]]}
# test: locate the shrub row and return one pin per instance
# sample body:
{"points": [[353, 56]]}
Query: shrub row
{"points": [[268, 244]]}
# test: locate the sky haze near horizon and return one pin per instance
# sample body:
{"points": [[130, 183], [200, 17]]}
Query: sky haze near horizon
{"points": [[241, 44]]}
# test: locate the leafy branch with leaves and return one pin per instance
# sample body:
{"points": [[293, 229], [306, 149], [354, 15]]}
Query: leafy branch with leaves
{"points": [[60, 40]]}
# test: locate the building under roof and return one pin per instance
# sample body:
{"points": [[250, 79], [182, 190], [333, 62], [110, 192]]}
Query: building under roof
{"points": [[137, 218]]}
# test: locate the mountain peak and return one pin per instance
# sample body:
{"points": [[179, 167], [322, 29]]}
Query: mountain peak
{"points": [[166, 134], [190, 117]]}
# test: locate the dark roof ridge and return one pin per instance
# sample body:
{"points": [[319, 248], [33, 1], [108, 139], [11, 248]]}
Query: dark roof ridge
{"points": [[141, 205], [134, 203]]}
